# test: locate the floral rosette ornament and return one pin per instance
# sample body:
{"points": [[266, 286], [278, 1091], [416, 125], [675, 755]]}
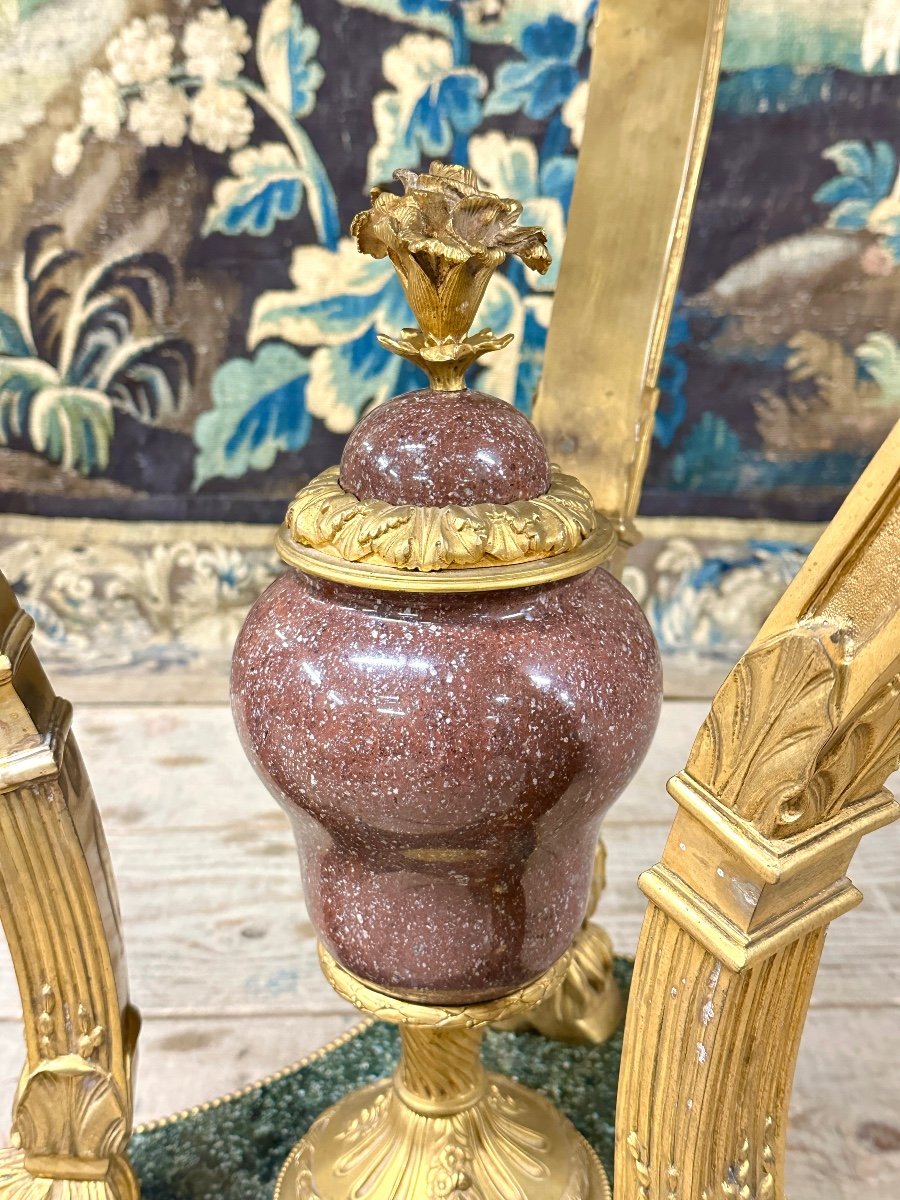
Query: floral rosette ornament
{"points": [[446, 236]]}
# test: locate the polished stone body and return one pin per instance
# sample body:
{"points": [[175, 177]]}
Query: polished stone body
{"points": [[446, 761], [439, 448]]}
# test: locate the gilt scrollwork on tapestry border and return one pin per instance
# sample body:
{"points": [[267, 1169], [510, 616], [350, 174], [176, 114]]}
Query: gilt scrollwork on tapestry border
{"points": [[420, 538]]}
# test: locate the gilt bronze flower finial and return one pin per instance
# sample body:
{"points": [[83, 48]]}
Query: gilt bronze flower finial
{"points": [[446, 236]]}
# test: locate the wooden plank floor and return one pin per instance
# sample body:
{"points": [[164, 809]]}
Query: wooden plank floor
{"points": [[222, 956]]}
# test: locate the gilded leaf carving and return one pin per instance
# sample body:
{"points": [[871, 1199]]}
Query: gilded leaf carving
{"points": [[327, 518], [777, 746], [860, 756], [69, 1106], [756, 749]]}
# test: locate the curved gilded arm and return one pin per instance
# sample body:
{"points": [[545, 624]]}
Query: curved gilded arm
{"points": [[73, 1110], [653, 86], [786, 775]]}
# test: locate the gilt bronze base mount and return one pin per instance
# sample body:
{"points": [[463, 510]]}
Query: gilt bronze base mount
{"points": [[442, 1126]]}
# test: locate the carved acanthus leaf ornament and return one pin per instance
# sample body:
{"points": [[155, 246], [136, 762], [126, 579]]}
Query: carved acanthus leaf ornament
{"points": [[779, 746], [327, 518]]}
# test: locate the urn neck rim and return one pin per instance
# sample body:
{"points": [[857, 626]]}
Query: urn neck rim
{"points": [[330, 532], [594, 551]]}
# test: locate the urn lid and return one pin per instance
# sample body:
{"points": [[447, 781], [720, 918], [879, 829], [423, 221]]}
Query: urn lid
{"points": [[445, 488]]}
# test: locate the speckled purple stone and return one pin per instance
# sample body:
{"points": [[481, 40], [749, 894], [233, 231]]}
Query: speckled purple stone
{"points": [[437, 448], [446, 762]]}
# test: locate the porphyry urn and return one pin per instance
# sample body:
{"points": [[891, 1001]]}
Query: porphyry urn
{"points": [[445, 691]]}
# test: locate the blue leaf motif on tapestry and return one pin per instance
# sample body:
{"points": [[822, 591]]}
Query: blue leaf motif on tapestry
{"points": [[435, 103], [259, 409], [268, 182], [60, 391], [12, 341], [531, 359], [776, 88], [708, 458], [509, 307], [865, 176], [285, 50], [339, 303], [266, 186], [673, 375], [453, 104], [558, 178], [541, 83], [413, 7]]}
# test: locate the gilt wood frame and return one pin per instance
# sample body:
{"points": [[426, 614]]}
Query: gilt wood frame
{"points": [[72, 1114], [786, 775]]}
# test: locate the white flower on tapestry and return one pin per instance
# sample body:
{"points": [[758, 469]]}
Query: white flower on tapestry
{"points": [[67, 152], [142, 51], [163, 93], [101, 105], [433, 106], [881, 36], [574, 113], [221, 118], [73, 359], [214, 45], [159, 115]]}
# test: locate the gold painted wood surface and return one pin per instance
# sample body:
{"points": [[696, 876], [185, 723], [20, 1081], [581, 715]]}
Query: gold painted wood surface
{"points": [[785, 776], [653, 80], [72, 1113]]}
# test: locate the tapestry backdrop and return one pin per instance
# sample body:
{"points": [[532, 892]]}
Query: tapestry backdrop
{"points": [[187, 333]]}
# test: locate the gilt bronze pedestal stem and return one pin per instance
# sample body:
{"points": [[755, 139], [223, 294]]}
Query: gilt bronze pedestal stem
{"points": [[442, 1125]]}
